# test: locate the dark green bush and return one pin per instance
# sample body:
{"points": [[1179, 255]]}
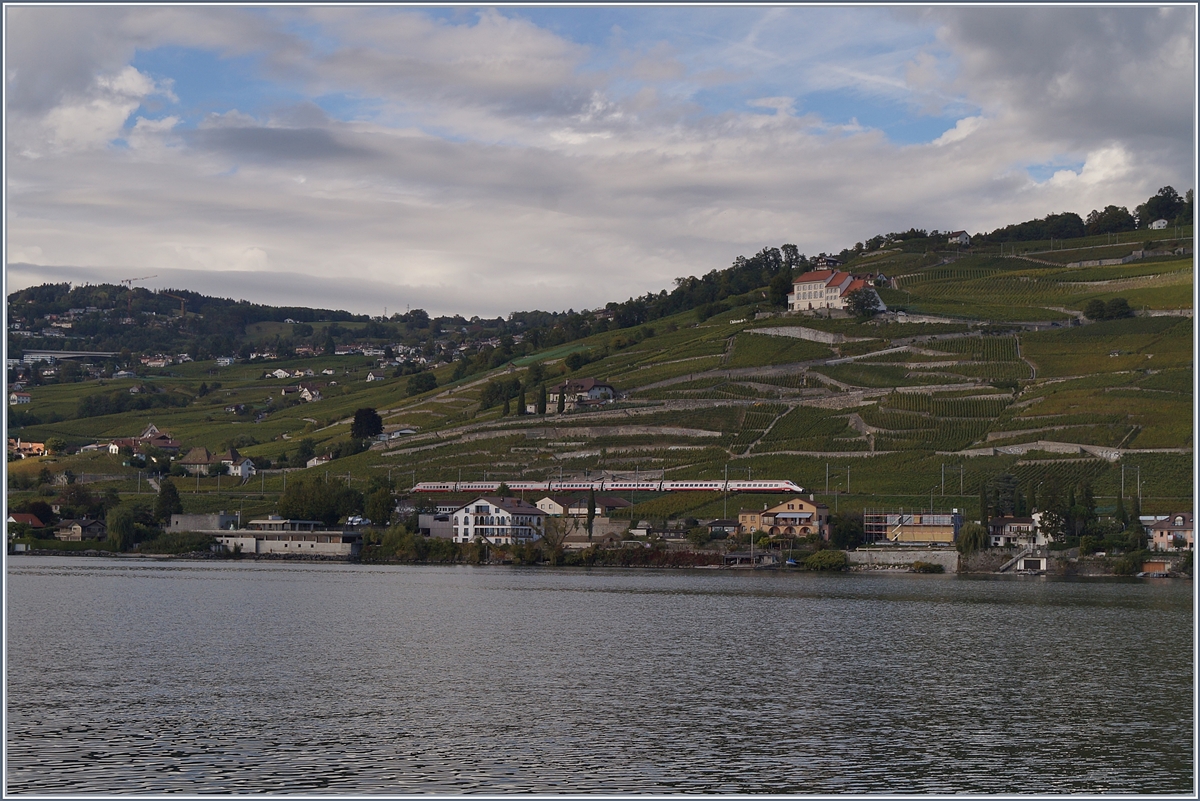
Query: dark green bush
{"points": [[827, 560]]}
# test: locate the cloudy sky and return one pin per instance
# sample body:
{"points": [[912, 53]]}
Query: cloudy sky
{"points": [[485, 160]]}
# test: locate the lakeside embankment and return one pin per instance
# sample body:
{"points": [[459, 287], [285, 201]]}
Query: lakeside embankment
{"points": [[936, 561]]}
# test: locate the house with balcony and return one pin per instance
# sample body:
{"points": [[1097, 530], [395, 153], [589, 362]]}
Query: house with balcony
{"points": [[497, 521], [1014, 532], [84, 528], [1174, 532], [796, 517]]}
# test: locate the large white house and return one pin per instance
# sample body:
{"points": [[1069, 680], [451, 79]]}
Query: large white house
{"points": [[828, 289], [498, 521]]}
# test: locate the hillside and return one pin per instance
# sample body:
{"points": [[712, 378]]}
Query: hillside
{"points": [[894, 413]]}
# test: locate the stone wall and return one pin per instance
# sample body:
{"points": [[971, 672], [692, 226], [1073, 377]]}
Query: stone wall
{"points": [[946, 557]]}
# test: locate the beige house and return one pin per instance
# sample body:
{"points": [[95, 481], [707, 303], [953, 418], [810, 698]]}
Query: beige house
{"points": [[1174, 532], [78, 530], [796, 517]]}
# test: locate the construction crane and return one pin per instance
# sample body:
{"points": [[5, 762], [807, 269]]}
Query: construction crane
{"points": [[182, 302], [129, 283]]}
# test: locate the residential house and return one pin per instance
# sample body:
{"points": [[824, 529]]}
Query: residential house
{"points": [[603, 506], [33, 521], [124, 374], [580, 390], [374, 376], [24, 450], [84, 528], [722, 527], [151, 437], [196, 461], [498, 521], [1175, 532], [827, 262], [960, 238], [1015, 532], [235, 464], [17, 398], [555, 505], [1158, 225], [279, 373], [792, 518], [224, 361], [317, 461]]}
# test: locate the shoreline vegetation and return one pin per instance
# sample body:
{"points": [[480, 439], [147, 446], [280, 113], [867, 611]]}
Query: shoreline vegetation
{"points": [[827, 560]]}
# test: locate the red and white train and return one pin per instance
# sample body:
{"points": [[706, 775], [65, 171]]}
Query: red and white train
{"points": [[611, 485]]}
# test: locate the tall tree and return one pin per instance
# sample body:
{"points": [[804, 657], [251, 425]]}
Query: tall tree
{"points": [[1002, 493], [1165, 205], [591, 517], [541, 403], [316, 498], [119, 523], [167, 503], [367, 423]]}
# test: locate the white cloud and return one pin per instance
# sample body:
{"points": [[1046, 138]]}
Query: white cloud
{"points": [[961, 130], [98, 117], [498, 172]]}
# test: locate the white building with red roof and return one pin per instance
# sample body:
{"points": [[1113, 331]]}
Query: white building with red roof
{"points": [[828, 289]]}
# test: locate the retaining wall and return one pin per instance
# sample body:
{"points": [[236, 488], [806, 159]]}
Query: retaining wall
{"points": [[946, 557]]}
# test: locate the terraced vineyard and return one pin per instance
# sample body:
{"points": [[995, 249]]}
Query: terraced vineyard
{"points": [[705, 397]]}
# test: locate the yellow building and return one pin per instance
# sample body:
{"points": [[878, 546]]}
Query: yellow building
{"points": [[792, 518]]}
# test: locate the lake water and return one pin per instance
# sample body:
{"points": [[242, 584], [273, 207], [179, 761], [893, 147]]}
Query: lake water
{"points": [[128, 676]]}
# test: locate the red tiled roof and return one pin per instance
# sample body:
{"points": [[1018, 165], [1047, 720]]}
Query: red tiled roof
{"points": [[814, 275]]}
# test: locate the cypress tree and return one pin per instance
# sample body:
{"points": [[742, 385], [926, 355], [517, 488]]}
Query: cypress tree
{"points": [[562, 398], [167, 503], [521, 402], [591, 511], [541, 404]]}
